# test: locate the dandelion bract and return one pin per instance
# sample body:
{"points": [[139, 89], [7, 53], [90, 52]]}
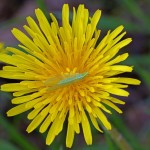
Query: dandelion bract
{"points": [[63, 73]]}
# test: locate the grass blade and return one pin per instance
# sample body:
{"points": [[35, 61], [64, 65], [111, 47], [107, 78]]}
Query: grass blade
{"points": [[16, 136], [136, 11], [128, 135], [119, 139]]}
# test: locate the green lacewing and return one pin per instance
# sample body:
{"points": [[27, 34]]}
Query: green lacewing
{"points": [[60, 81]]}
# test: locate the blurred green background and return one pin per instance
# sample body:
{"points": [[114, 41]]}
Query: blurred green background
{"points": [[131, 130]]}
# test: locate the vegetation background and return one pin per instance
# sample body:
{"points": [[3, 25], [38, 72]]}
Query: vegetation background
{"points": [[132, 128]]}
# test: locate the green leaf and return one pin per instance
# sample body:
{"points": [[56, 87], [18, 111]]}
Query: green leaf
{"points": [[118, 139], [100, 146], [111, 22], [5, 145], [125, 132], [110, 143], [16, 136], [136, 11]]}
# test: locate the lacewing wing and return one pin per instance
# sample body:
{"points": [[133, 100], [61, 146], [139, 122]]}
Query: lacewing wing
{"points": [[60, 81]]}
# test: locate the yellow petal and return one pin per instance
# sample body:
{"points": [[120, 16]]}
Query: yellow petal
{"points": [[86, 129], [122, 68], [118, 59], [21, 93], [34, 113], [94, 122], [25, 40], [38, 119], [112, 105], [45, 124], [115, 33], [126, 80], [43, 22], [115, 100], [52, 132], [11, 87], [118, 91], [102, 118], [70, 136], [18, 110]]}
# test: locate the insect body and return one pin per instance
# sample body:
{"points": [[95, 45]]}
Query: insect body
{"points": [[57, 82]]}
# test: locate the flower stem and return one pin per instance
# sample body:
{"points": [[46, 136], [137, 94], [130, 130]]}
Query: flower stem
{"points": [[117, 137]]}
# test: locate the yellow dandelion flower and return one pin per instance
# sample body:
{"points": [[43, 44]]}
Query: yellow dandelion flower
{"points": [[66, 74]]}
